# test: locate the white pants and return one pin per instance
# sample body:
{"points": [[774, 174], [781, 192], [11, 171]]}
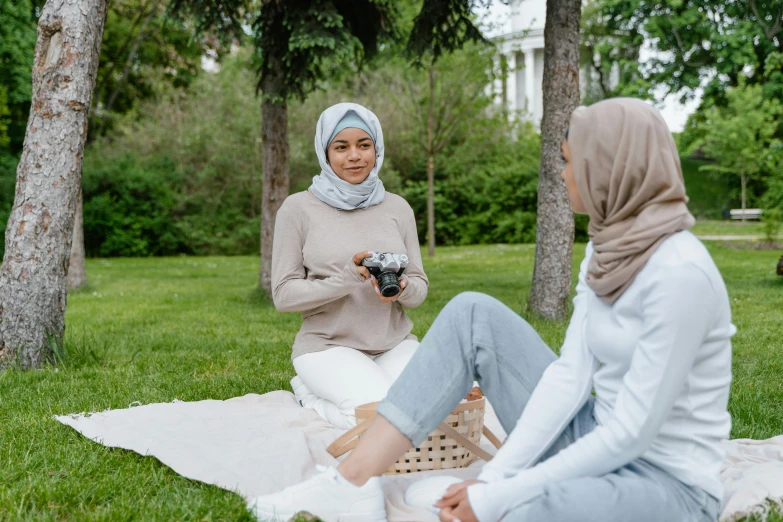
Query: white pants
{"points": [[340, 379]]}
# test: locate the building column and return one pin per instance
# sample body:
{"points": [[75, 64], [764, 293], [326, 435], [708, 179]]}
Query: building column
{"points": [[511, 83], [530, 80]]}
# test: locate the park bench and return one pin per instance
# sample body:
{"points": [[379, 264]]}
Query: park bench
{"points": [[748, 213]]}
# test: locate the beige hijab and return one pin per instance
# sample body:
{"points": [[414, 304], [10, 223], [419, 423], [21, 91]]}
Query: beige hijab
{"points": [[628, 174]]}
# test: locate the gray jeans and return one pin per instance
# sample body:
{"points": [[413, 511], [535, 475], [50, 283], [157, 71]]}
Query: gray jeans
{"points": [[477, 337]]}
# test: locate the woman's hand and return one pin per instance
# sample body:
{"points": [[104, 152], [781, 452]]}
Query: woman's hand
{"points": [[403, 284], [455, 504], [357, 260]]}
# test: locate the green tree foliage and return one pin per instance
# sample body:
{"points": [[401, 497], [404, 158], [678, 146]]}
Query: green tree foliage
{"points": [[17, 45], [141, 45], [182, 174], [444, 26], [302, 40], [5, 119], [440, 100], [716, 41], [611, 57], [773, 197], [486, 185], [738, 136]]}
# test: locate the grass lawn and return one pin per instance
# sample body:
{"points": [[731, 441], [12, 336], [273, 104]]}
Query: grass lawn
{"points": [[728, 228], [152, 330]]}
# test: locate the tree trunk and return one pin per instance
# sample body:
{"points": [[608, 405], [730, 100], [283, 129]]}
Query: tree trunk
{"points": [[555, 220], [431, 205], [77, 273], [275, 152], [744, 183], [431, 167], [40, 228]]}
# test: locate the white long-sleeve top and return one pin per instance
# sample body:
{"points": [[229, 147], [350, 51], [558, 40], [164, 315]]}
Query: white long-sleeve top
{"points": [[659, 360]]}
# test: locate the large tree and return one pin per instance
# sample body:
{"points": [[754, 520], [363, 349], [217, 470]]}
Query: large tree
{"points": [[38, 236], [555, 221], [298, 44]]}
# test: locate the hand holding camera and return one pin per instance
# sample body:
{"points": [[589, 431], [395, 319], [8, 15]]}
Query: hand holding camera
{"points": [[385, 270]]}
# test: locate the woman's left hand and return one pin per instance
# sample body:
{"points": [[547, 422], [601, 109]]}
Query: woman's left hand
{"points": [[403, 284], [455, 504]]}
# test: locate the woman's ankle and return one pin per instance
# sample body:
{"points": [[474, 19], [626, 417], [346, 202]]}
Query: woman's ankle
{"points": [[353, 475]]}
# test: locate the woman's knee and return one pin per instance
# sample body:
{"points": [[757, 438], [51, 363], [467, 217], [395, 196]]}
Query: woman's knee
{"points": [[466, 302]]}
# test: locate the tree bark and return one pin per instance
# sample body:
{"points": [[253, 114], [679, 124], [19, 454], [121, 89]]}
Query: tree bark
{"points": [[431, 167], [40, 228], [431, 205], [77, 272], [555, 220], [744, 184], [275, 154]]}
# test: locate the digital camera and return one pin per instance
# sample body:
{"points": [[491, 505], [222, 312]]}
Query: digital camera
{"points": [[387, 269]]}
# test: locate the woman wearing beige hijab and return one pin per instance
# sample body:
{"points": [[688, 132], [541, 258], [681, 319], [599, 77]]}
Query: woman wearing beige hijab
{"points": [[650, 335]]}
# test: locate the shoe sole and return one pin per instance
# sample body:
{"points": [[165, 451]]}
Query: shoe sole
{"points": [[376, 516]]}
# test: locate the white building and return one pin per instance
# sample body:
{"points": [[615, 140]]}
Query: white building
{"points": [[522, 44], [523, 48]]}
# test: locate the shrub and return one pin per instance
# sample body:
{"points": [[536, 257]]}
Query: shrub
{"points": [[129, 208]]}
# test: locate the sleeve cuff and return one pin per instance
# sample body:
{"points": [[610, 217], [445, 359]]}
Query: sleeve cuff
{"points": [[412, 295], [350, 274], [491, 502], [482, 505], [490, 474]]}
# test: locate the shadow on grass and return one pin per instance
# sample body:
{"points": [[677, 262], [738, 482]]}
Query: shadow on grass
{"points": [[86, 289], [78, 351], [259, 298]]}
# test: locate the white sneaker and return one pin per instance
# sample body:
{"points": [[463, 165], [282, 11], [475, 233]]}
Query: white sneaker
{"points": [[326, 495]]}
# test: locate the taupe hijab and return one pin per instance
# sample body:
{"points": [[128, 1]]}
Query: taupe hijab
{"points": [[628, 174]]}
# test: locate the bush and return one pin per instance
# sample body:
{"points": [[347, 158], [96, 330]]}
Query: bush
{"points": [[485, 188], [773, 219], [129, 208], [183, 175]]}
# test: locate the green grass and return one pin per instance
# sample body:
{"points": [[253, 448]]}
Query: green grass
{"points": [[728, 228], [152, 330]]}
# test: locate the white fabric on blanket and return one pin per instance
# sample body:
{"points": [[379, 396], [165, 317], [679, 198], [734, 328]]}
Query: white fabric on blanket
{"points": [[258, 444], [752, 475]]}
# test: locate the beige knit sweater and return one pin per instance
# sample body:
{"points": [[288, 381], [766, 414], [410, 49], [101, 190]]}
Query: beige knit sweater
{"points": [[312, 273]]}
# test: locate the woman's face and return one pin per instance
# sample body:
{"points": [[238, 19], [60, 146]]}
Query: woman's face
{"points": [[568, 176], [351, 155]]}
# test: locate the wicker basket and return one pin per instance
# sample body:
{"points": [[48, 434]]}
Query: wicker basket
{"points": [[453, 444]]}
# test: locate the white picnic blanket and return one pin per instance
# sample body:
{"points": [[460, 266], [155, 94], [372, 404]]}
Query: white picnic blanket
{"points": [[258, 444]]}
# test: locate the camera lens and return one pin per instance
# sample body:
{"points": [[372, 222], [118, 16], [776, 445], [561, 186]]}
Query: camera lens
{"points": [[388, 284]]}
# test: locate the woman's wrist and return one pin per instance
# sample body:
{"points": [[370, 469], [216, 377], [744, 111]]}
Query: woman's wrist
{"points": [[351, 274]]}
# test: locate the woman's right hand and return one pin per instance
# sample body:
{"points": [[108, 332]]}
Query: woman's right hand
{"points": [[357, 260]]}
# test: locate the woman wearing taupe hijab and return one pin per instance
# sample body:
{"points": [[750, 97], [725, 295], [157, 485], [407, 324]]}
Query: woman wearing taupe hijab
{"points": [[650, 334]]}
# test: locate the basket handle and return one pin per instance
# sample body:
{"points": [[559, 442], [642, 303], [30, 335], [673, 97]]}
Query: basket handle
{"points": [[348, 440], [491, 437], [459, 437]]}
